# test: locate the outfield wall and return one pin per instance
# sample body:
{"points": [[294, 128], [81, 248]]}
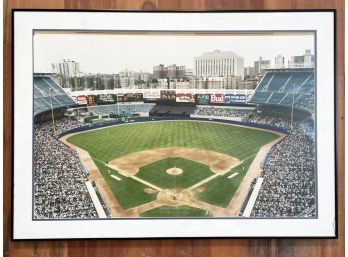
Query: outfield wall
{"points": [[195, 116]]}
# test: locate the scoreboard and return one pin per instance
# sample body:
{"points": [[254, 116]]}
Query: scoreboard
{"points": [[105, 99]]}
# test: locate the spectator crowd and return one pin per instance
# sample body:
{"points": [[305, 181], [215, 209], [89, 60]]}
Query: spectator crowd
{"points": [[273, 121], [289, 174], [59, 182], [221, 111], [306, 102], [65, 124]]}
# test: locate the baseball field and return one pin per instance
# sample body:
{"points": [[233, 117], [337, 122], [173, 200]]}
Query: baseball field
{"points": [[171, 168]]}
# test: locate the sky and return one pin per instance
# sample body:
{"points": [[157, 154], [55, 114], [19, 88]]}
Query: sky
{"points": [[112, 53]]}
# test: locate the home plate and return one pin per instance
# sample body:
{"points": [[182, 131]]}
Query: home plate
{"points": [[233, 175], [115, 177]]}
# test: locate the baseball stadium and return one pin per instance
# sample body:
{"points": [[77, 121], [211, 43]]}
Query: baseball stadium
{"points": [[177, 153]]}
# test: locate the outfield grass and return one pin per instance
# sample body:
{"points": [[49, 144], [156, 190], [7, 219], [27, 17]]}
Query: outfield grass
{"points": [[156, 174], [220, 190], [174, 211], [109, 143]]}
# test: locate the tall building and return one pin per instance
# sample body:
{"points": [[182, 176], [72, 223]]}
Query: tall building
{"points": [[279, 62], [127, 79], [249, 72], [227, 82], [302, 61], [172, 72], [117, 82], [189, 74], [176, 72], [160, 72], [108, 82], [145, 76], [247, 84], [261, 65], [66, 68], [219, 64]]}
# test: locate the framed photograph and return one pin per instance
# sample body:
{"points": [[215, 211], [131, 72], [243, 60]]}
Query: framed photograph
{"points": [[173, 124]]}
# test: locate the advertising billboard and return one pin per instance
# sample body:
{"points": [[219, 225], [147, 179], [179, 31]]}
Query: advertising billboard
{"points": [[90, 100], [152, 95], [235, 99], [81, 99], [105, 99], [202, 99], [120, 97], [217, 98], [185, 98], [130, 97], [168, 96]]}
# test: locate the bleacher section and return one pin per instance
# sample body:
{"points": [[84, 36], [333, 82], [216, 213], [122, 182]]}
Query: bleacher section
{"points": [[48, 94], [173, 110], [276, 97], [261, 97], [122, 109], [226, 112], [287, 86]]}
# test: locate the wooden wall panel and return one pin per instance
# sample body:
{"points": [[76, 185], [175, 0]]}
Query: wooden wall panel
{"points": [[178, 247]]}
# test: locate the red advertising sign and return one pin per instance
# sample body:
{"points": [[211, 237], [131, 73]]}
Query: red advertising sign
{"points": [[185, 98], [81, 99], [217, 98]]}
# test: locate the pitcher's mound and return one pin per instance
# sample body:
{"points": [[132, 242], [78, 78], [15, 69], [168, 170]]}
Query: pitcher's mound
{"points": [[174, 171]]}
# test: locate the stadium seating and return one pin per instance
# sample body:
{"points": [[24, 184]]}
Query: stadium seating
{"points": [[261, 97], [60, 191], [265, 80], [173, 110], [222, 111], [277, 79], [124, 108], [289, 177], [288, 171], [278, 87], [48, 94], [276, 97]]}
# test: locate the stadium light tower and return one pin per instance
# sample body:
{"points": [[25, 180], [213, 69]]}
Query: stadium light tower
{"points": [[52, 114], [292, 108]]}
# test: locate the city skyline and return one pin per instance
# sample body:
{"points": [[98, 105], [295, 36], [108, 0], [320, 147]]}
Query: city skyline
{"points": [[113, 53]]}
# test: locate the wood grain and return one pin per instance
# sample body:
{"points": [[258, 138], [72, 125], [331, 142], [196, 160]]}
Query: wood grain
{"points": [[180, 247]]}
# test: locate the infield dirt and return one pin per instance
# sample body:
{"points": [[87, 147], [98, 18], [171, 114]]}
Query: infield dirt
{"points": [[130, 164]]}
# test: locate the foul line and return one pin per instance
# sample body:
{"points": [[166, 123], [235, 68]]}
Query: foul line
{"points": [[253, 155], [146, 183], [204, 181]]}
